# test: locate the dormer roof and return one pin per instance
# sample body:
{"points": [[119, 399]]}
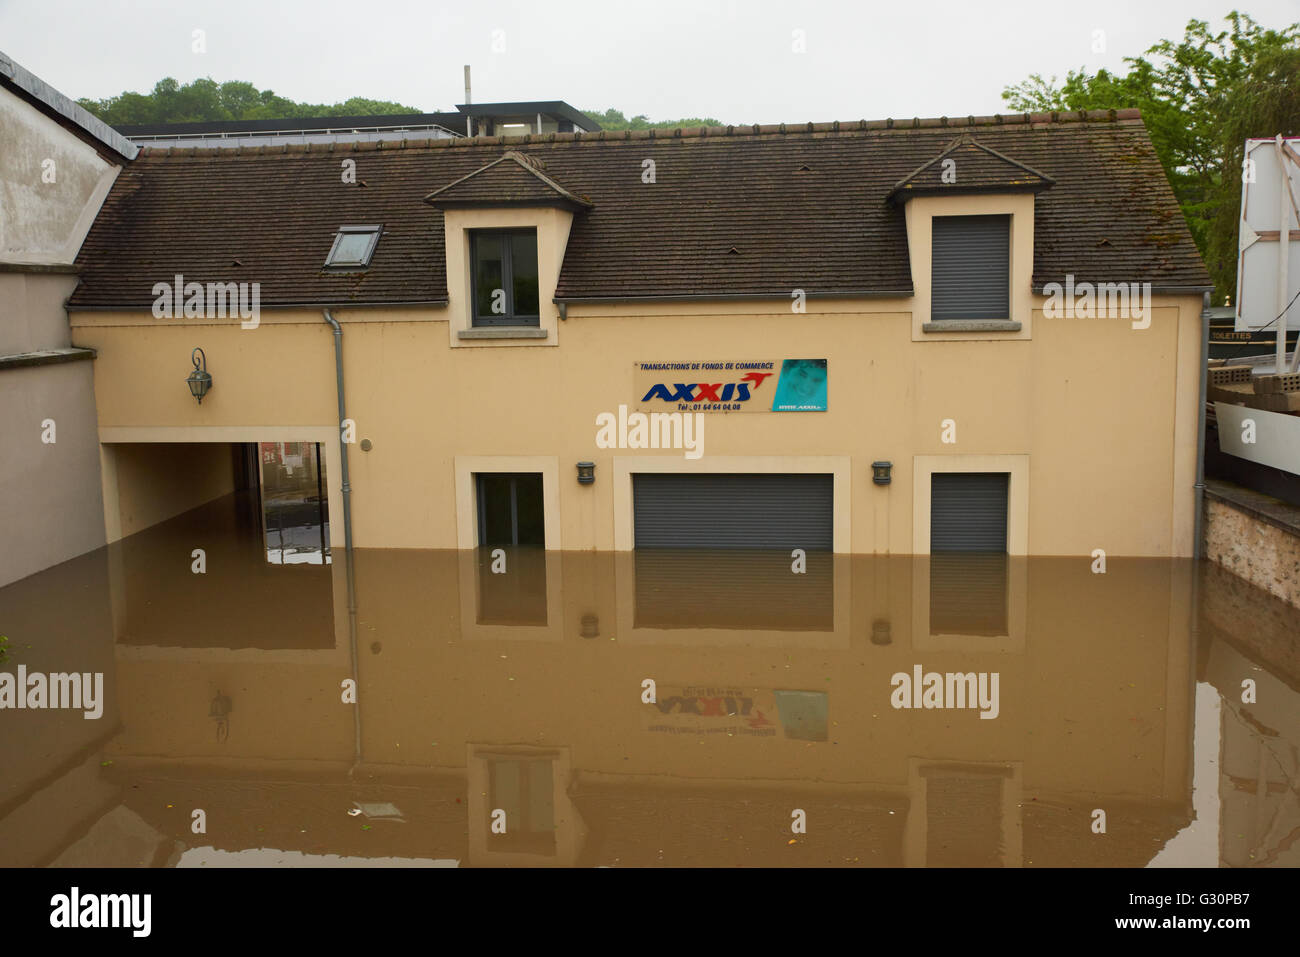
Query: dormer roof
{"points": [[974, 168], [513, 179]]}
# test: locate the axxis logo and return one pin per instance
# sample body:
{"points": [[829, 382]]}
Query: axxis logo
{"points": [[707, 391]]}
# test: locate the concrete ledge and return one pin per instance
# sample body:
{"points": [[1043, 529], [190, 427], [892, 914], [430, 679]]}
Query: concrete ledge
{"points": [[971, 325], [503, 332], [46, 357], [59, 269], [1257, 505]]}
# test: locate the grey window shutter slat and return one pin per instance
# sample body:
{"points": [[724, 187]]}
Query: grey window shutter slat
{"points": [[733, 511], [968, 511], [970, 267]]}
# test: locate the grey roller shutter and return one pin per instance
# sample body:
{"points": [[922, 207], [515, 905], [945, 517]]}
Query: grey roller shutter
{"points": [[968, 511], [733, 511], [970, 267]]}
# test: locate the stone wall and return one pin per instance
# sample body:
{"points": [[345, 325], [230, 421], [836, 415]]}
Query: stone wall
{"points": [[1262, 552]]}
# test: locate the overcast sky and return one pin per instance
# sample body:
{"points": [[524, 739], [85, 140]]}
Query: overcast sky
{"points": [[735, 60]]}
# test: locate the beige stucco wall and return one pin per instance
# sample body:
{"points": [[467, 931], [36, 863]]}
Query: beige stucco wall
{"points": [[32, 316], [1095, 418], [154, 482], [1105, 413]]}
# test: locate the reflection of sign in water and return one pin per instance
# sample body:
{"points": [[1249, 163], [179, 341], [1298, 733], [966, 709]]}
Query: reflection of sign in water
{"points": [[733, 711], [793, 385]]}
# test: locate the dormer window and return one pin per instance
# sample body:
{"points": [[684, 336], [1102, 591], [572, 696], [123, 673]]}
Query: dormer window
{"points": [[970, 276], [506, 226], [505, 277], [353, 246]]}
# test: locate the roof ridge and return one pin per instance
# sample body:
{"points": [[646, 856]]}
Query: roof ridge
{"points": [[996, 120]]}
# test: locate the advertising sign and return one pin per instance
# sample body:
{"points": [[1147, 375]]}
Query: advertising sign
{"points": [[755, 385]]}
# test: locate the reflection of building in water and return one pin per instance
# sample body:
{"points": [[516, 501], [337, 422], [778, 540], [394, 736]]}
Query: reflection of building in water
{"points": [[527, 700], [1258, 775]]}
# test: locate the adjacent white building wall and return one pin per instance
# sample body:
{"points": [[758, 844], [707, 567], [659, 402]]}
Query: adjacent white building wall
{"points": [[42, 221], [52, 184]]}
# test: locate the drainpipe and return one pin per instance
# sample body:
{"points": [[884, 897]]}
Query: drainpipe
{"points": [[1198, 549], [347, 532]]}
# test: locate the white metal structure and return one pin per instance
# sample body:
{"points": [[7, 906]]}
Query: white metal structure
{"points": [[1268, 275]]}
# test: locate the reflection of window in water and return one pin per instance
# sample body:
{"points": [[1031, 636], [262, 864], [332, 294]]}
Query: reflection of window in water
{"points": [[737, 589], [968, 594], [295, 503], [524, 789], [963, 817], [516, 596]]}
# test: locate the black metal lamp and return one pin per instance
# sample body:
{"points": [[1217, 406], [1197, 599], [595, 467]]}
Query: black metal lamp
{"points": [[880, 632], [219, 711], [199, 380], [586, 473], [880, 472]]}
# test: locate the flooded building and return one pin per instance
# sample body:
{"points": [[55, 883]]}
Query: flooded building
{"points": [[885, 337], [722, 498]]}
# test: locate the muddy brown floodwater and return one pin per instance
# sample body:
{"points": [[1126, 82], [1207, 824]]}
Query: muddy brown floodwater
{"points": [[1146, 716]]}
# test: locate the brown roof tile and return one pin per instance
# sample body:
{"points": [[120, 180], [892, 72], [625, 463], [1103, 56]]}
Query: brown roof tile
{"points": [[804, 209]]}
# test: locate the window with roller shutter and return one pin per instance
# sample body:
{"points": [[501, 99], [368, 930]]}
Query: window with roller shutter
{"points": [[970, 267]]}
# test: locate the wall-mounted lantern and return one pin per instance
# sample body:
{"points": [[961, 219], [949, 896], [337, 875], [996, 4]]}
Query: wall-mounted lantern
{"points": [[586, 473], [880, 472], [219, 711], [880, 632], [199, 381]]}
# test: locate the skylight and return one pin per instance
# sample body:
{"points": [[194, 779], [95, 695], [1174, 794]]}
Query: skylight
{"points": [[353, 246]]}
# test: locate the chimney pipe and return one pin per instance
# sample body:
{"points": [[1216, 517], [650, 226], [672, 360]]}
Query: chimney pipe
{"points": [[469, 120]]}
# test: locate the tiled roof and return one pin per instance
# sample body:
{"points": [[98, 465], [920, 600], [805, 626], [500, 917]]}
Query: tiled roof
{"points": [[968, 166], [510, 180], [731, 212]]}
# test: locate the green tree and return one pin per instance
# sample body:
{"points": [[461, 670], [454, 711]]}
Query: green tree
{"points": [[206, 101], [1200, 98], [613, 119]]}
